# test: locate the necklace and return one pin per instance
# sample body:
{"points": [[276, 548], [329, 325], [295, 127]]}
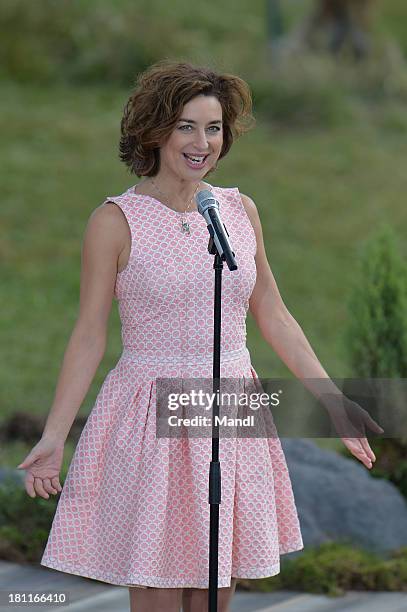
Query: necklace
{"points": [[184, 221]]}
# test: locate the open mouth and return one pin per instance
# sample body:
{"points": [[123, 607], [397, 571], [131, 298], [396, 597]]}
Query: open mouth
{"points": [[195, 162]]}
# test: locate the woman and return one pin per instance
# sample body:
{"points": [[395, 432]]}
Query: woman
{"points": [[134, 508]]}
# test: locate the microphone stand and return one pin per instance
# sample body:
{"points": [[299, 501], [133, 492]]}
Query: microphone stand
{"points": [[215, 471], [220, 247]]}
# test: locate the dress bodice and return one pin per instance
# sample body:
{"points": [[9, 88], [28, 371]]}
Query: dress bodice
{"points": [[166, 292]]}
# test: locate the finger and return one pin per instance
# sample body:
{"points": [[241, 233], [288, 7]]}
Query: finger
{"points": [[48, 486], [358, 451], [55, 483], [29, 481], [25, 464], [364, 442], [361, 454], [38, 486]]}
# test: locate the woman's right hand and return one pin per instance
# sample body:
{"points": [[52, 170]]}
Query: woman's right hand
{"points": [[42, 466]]}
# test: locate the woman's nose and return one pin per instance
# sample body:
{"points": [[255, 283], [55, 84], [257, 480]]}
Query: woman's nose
{"points": [[201, 141]]}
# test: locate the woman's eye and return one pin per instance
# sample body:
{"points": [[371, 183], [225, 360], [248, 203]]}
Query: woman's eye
{"points": [[188, 126]]}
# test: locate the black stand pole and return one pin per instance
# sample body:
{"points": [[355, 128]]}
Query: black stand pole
{"points": [[219, 246], [214, 472]]}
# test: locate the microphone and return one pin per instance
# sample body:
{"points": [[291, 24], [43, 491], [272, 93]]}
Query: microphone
{"points": [[208, 206]]}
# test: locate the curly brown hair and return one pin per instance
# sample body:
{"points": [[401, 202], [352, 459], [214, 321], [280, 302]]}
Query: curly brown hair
{"points": [[156, 104]]}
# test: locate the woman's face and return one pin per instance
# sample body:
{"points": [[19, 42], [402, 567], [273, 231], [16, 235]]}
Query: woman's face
{"points": [[201, 135]]}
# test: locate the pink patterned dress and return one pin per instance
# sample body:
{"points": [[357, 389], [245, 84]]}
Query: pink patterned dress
{"points": [[134, 507]]}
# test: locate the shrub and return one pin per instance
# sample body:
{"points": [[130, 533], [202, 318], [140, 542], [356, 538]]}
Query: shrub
{"points": [[336, 567], [24, 523], [376, 338]]}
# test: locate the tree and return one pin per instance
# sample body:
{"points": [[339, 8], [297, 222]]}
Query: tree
{"points": [[376, 340], [377, 334]]}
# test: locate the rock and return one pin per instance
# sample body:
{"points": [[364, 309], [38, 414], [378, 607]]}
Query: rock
{"points": [[337, 498]]}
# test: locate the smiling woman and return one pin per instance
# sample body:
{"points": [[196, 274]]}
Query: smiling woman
{"points": [[150, 117], [134, 507]]}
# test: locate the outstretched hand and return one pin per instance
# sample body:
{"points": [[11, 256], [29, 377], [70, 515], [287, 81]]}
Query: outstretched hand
{"points": [[42, 466], [350, 421]]}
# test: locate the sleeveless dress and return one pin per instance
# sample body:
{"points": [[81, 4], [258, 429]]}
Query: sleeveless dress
{"points": [[134, 507]]}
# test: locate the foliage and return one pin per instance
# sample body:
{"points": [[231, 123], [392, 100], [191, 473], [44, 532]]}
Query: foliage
{"points": [[377, 332], [334, 568], [24, 523], [376, 337]]}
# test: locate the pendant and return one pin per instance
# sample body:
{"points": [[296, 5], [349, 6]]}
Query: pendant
{"points": [[185, 227]]}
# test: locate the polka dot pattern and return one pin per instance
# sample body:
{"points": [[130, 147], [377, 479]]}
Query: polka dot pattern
{"points": [[134, 507]]}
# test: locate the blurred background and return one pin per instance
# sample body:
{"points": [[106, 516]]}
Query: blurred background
{"points": [[325, 165]]}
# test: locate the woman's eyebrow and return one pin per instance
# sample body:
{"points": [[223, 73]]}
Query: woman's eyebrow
{"points": [[192, 121]]}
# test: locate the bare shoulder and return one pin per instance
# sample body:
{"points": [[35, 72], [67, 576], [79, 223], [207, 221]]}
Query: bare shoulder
{"points": [[108, 220], [251, 211], [109, 212]]}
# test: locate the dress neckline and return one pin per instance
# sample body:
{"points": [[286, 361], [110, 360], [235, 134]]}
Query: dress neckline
{"points": [[171, 210]]}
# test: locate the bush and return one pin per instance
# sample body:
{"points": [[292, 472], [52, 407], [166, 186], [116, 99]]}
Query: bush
{"points": [[335, 567], [24, 523], [376, 338]]}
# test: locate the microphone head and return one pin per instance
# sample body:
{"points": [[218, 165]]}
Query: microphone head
{"points": [[205, 199]]}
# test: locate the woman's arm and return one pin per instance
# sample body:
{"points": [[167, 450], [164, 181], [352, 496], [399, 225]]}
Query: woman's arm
{"points": [[283, 333], [276, 324], [103, 241]]}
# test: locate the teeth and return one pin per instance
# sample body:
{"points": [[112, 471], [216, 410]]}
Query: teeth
{"points": [[195, 159]]}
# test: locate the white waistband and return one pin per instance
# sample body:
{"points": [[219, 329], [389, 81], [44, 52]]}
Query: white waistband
{"points": [[225, 356]]}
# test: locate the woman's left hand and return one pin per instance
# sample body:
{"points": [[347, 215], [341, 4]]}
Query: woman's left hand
{"points": [[360, 448], [350, 421]]}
